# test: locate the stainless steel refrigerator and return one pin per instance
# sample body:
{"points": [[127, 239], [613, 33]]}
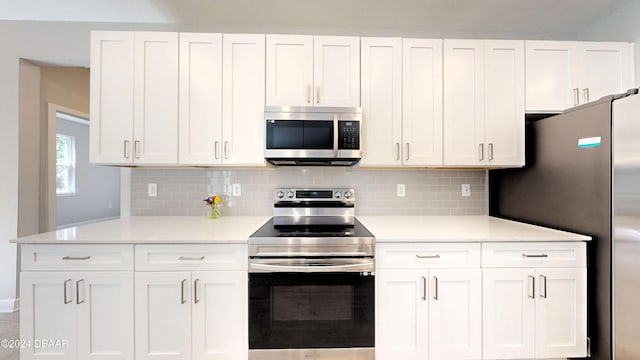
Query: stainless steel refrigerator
{"points": [[582, 174]]}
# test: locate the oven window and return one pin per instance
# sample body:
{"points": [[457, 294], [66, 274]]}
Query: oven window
{"points": [[311, 310]]}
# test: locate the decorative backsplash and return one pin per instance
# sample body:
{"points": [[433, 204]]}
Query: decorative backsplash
{"points": [[428, 192]]}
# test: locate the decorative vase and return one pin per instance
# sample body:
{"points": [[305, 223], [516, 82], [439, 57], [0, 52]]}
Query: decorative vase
{"points": [[213, 212]]}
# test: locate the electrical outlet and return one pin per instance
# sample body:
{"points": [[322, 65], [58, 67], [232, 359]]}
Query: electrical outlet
{"points": [[466, 190], [237, 190], [152, 190], [401, 190]]}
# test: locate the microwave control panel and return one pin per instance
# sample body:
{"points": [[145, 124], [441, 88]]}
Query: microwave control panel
{"points": [[349, 135]]}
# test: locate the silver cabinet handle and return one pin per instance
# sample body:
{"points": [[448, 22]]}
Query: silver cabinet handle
{"points": [[187, 258], [78, 301], [182, 286], [490, 151], [435, 293], [532, 286], [424, 288], [308, 93], [585, 93], [67, 298], [226, 149], [126, 149], [136, 149], [76, 257], [543, 286], [576, 96], [481, 152], [407, 152], [397, 151], [216, 149], [195, 291], [436, 256], [318, 95], [535, 255]]}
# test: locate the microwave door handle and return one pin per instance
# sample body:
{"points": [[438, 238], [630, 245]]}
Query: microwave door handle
{"points": [[335, 135]]}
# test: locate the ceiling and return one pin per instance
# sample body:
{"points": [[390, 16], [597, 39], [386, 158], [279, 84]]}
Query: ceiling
{"points": [[474, 18]]}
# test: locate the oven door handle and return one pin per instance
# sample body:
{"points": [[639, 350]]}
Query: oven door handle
{"points": [[363, 266]]}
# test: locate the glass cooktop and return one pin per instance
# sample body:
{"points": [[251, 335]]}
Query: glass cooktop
{"points": [[270, 230]]}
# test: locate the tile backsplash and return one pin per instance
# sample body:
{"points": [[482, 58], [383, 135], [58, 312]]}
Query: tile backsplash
{"points": [[428, 192]]}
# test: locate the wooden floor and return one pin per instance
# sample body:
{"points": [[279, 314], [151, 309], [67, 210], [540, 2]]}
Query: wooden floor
{"points": [[9, 329]]}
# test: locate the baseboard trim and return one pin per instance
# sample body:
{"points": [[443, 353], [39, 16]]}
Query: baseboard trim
{"points": [[9, 305]]}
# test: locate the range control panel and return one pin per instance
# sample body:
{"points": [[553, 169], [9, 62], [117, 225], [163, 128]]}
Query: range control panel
{"points": [[339, 194]]}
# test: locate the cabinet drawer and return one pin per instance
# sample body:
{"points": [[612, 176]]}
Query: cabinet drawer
{"points": [[570, 254], [423, 255], [76, 257], [191, 257]]}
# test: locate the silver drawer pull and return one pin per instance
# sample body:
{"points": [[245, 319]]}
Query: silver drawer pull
{"points": [[186, 258], [436, 256], [535, 255], [76, 258]]}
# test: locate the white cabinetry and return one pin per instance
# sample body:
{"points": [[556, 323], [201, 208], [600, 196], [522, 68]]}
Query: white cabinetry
{"points": [[191, 302], [428, 301], [483, 103], [562, 74], [218, 129], [82, 313], [307, 70], [134, 97], [534, 302]]}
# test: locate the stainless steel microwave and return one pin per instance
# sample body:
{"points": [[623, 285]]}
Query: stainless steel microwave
{"points": [[312, 135]]}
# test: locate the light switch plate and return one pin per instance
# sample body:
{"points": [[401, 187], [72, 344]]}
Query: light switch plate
{"points": [[237, 190], [401, 190], [152, 190]]}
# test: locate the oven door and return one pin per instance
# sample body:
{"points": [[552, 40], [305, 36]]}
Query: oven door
{"points": [[290, 309]]}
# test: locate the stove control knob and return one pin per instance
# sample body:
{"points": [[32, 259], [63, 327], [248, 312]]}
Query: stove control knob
{"points": [[290, 194], [337, 195], [347, 194], [280, 194]]}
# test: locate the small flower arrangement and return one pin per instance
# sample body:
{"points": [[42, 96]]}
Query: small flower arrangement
{"points": [[212, 202]]}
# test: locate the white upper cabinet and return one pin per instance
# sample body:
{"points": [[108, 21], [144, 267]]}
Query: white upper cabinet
{"points": [[134, 98], [421, 102], [200, 120], [381, 68], [562, 74], [307, 70], [243, 100], [221, 99], [483, 103]]}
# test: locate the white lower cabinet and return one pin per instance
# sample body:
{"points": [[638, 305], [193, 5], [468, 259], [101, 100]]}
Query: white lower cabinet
{"points": [[200, 314], [427, 311], [76, 315]]}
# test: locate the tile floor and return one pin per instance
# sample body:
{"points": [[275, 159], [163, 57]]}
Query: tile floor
{"points": [[9, 329]]}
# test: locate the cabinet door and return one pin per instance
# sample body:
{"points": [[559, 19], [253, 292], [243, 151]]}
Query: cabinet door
{"points": [[504, 102], [163, 315], [289, 70], [220, 315], [336, 70], [243, 83], [111, 86], [105, 315], [200, 105], [156, 98], [508, 313], [464, 103], [421, 102], [381, 69], [455, 314], [401, 314], [48, 311], [561, 313], [551, 84], [605, 68]]}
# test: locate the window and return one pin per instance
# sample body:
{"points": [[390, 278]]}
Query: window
{"points": [[65, 164]]}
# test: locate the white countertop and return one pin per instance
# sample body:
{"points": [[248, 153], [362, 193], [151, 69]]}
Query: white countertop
{"points": [[460, 229], [237, 229], [155, 229]]}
